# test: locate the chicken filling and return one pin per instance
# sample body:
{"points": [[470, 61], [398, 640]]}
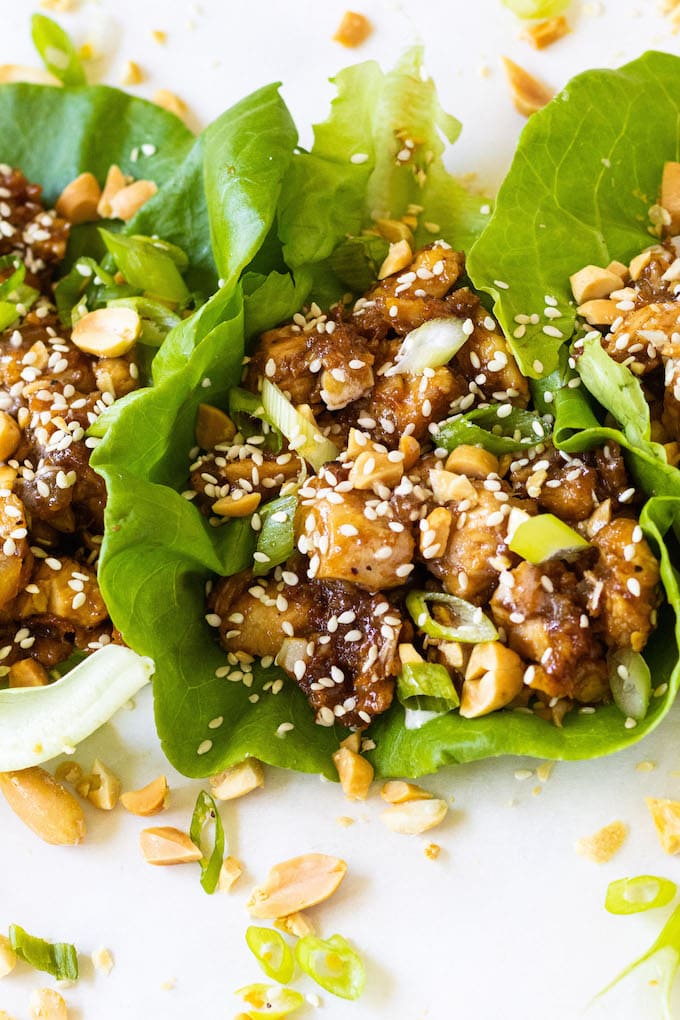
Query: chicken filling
{"points": [[392, 512]]}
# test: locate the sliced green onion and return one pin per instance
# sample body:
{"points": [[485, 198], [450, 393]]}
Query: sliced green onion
{"points": [[472, 625], [59, 959], [631, 682], [276, 539], [429, 346], [85, 273], [498, 429], [16, 277], [8, 314], [57, 51], [666, 949], [333, 964], [633, 895], [207, 832], [245, 406], [38, 723], [146, 266], [272, 952], [302, 436], [537, 8], [546, 537], [427, 687], [267, 1002]]}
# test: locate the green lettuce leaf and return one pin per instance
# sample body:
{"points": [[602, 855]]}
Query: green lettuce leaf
{"points": [[586, 172]]}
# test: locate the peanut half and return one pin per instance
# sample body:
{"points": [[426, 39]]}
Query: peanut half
{"points": [[238, 780], [107, 332], [354, 772], [47, 1004], [79, 200], [105, 788], [8, 958], [150, 800], [415, 816], [44, 806], [167, 845], [296, 884]]}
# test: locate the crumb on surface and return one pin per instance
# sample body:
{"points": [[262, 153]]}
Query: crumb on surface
{"points": [[544, 771], [666, 817], [542, 34], [528, 93], [345, 821], [604, 843], [645, 766], [353, 30], [432, 851], [102, 960]]}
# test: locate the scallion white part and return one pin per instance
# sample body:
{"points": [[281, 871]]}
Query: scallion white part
{"points": [[430, 345], [303, 437]]}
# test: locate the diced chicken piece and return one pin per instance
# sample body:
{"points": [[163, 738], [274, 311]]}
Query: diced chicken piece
{"points": [[477, 550], [346, 540], [340, 644], [36, 234], [217, 475], [624, 585], [330, 365], [406, 300], [543, 617], [642, 334], [487, 360], [69, 592], [117, 376], [571, 486], [15, 557], [671, 394]]}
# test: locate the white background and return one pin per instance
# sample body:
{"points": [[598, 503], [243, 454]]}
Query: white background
{"points": [[509, 921]]}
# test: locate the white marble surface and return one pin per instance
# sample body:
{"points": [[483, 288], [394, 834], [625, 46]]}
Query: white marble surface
{"points": [[509, 921]]}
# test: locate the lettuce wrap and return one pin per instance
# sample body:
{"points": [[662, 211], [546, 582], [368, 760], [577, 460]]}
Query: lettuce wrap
{"points": [[159, 552]]}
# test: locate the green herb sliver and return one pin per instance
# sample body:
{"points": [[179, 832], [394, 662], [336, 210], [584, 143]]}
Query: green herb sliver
{"points": [[498, 429], [59, 959], [546, 537], [426, 687], [57, 51], [206, 823], [276, 539], [635, 895], [666, 949], [471, 626], [630, 680]]}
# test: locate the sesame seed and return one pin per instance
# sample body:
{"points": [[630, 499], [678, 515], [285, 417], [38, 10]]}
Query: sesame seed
{"points": [[353, 635], [359, 157], [633, 586], [79, 600], [204, 747], [213, 620], [553, 331], [538, 366]]}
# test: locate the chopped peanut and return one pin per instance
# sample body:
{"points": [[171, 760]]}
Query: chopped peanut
{"points": [[115, 182], [670, 194], [620, 269], [353, 742], [170, 102], [230, 872], [394, 231], [8, 476], [397, 791], [493, 678], [356, 774], [107, 332], [213, 427], [243, 507], [544, 33], [415, 816], [48, 1004], [602, 845], [79, 200], [599, 312], [353, 30], [68, 772], [398, 258], [528, 94], [102, 960], [593, 282], [371, 469], [60, 6], [432, 851], [167, 845], [159, 36], [410, 448], [409, 654], [435, 536], [472, 461], [44, 806], [666, 817], [28, 673], [150, 800], [238, 780], [132, 74], [105, 791], [10, 434], [641, 261], [297, 924], [8, 958], [129, 200], [296, 884], [449, 487]]}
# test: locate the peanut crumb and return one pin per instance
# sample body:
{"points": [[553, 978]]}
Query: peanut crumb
{"points": [[666, 817], [353, 30], [132, 74], [169, 985], [59, 6], [528, 93], [537, 790], [159, 36], [345, 821], [645, 766], [604, 843], [544, 33], [671, 8], [432, 851], [102, 960], [88, 51], [544, 771], [230, 872], [523, 774], [170, 102]]}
